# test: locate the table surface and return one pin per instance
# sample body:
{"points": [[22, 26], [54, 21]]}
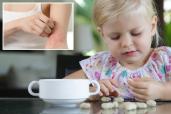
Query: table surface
{"points": [[37, 106]]}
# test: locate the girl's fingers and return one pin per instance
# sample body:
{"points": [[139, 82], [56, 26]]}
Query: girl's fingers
{"points": [[104, 89], [139, 96], [100, 93], [113, 82], [139, 91], [109, 86], [137, 84]]}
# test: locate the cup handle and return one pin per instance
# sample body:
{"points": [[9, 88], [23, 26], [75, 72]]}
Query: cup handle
{"points": [[97, 89], [30, 88]]}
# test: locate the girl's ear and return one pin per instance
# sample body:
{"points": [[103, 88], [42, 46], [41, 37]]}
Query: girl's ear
{"points": [[154, 25], [100, 31]]}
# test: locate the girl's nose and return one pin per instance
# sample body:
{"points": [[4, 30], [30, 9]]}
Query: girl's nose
{"points": [[126, 41]]}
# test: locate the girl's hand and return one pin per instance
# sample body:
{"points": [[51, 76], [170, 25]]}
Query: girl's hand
{"points": [[145, 88], [38, 24], [107, 86]]}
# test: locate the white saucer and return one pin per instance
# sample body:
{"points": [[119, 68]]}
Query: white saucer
{"points": [[64, 102]]}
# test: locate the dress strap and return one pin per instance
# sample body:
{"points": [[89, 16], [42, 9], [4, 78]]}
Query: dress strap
{"points": [[39, 7]]}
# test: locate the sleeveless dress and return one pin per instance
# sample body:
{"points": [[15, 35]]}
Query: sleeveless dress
{"points": [[21, 40]]}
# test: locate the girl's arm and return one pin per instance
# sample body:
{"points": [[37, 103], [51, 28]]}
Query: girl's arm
{"points": [[166, 91], [59, 13], [76, 75]]}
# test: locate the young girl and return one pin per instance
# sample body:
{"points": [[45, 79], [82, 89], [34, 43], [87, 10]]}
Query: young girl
{"points": [[131, 66]]}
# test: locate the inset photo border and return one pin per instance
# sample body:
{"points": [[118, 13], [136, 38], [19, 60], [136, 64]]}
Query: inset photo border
{"points": [[38, 25]]}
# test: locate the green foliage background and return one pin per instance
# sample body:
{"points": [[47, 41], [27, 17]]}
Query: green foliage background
{"points": [[84, 16]]}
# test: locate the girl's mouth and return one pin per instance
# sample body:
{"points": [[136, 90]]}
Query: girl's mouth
{"points": [[130, 53]]}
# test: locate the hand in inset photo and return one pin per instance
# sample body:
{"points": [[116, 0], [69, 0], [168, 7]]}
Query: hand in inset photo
{"points": [[37, 26]]}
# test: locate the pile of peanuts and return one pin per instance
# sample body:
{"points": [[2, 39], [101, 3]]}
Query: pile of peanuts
{"points": [[118, 102]]}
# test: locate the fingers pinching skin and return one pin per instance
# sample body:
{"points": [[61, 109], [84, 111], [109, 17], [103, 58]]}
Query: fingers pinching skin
{"points": [[47, 29], [51, 23], [38, 24], [43, 18], [44, 34], [45, 24]]}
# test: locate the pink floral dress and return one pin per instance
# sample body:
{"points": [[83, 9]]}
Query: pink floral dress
{"points": [[104, 66]]}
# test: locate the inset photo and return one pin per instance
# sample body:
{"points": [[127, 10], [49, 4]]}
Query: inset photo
{"points": [[38, 26]]}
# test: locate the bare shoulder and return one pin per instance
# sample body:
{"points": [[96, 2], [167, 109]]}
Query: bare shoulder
{"points": [[77, 75]]}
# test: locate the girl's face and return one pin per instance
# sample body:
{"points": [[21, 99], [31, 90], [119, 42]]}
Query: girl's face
{"points": [[129, 38]]}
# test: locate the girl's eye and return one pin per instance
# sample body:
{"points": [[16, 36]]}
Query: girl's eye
{"points": [[136, 34], [114, 38]]}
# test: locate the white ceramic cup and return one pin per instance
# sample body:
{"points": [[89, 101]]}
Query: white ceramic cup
{"points": [[64, 88]]}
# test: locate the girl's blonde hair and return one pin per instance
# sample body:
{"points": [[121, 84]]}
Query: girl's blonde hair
{"points": [[105, 10]]}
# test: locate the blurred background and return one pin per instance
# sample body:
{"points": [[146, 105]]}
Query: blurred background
{"points": [[18, 68]]}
